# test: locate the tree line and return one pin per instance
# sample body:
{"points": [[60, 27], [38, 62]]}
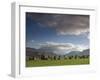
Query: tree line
{"points": [[44, 57]]}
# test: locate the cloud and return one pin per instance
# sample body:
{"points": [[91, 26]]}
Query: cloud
{"points": [[32, 41], [62, 23], [60, 48]]}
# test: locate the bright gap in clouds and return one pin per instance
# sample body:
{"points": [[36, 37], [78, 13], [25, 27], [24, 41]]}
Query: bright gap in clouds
{"points": [[59, 48]]}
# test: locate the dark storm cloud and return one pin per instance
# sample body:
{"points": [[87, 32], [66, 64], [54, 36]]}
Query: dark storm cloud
{"points": [[62, 23]]}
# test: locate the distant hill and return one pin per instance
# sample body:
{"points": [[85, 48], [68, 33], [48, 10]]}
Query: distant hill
{"points": [[85, 52], [31, 51], [78, 53], [36, 52], [73, 53]]}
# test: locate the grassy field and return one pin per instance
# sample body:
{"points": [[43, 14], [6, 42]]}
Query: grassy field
{"points": [[39, 63]]}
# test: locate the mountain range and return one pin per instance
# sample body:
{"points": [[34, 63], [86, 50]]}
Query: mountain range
{"points": [[36, 52], [79, 53]]}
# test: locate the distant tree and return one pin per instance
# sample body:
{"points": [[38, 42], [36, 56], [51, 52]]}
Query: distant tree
{"points": [[42, 57], [30, 58], [83, 56], [70, 57], [75, 57], [54, 57], [59, 57], [33, 58], [48, 57]]}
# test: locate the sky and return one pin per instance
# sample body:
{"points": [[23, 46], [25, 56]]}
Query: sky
{"points": [[61, 33]]}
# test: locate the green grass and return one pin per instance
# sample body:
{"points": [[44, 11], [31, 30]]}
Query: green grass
{"points": [[39, 63]]}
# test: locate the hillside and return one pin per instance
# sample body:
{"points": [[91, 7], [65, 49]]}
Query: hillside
{"points": [[36, 52], [78, 53]]}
